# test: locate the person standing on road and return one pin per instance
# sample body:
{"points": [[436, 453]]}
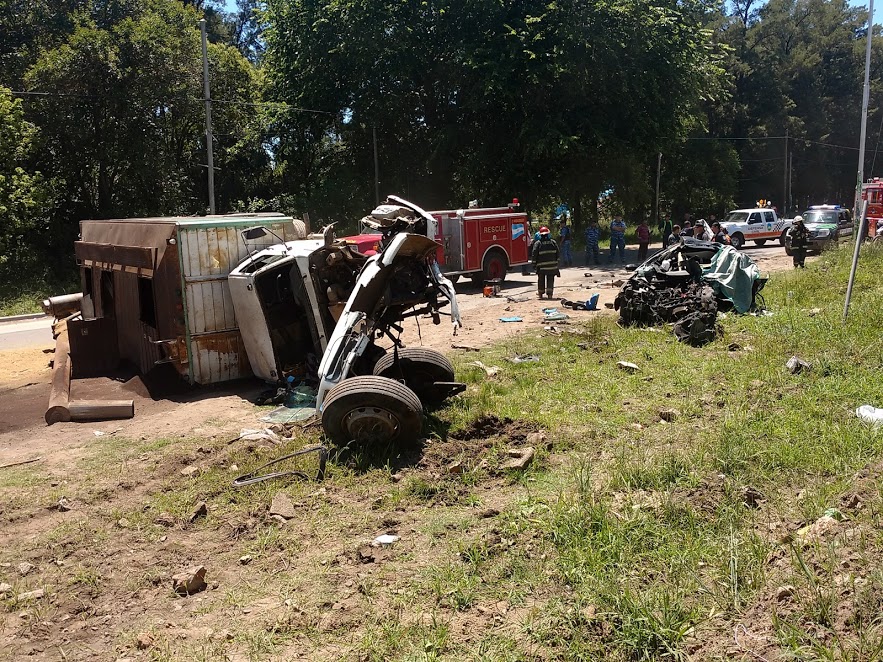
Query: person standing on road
{"points": [[720, 234], [643, 232], [593, 237], [799, 236], [545, 260], [617, 237], [699, 232], [565, 235], [665, 229], [673, 237]]}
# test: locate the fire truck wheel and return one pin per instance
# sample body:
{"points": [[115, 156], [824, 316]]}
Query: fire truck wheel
{"points": [[420, 368], [495, 265], [760, 242], [737, 240], [370, 410]]}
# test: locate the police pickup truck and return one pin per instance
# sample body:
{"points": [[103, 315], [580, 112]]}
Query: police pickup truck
{"points": [[825, 224], [758, 225]]}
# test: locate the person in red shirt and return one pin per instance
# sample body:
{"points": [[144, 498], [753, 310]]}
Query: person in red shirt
{"points": [[643, 232]]}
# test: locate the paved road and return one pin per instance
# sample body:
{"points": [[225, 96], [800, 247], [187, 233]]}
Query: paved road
{"points": [[29, 333]]}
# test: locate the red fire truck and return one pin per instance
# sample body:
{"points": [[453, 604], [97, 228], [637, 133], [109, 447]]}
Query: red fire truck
{"points": [[479, 242], [872, 191]]}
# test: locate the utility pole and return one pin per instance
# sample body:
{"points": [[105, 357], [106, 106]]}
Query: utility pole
{"points": [[866, 92], [785, 180], [209, 139], [658, 173], [790, 202], [376, 169]]}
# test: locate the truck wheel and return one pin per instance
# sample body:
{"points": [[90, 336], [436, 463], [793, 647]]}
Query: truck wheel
{"points": [[737, 241], [783, 238], [788, 250], [760, 242], [420, 368], [454, 279], [495, 265], [370, 409]]}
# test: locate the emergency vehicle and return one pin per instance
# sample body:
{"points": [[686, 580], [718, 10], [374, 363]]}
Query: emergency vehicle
{"points": [[758, 224], [872, 191], [482, 243]]}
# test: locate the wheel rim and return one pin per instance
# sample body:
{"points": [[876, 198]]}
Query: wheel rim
{"points": [[371, 424]]}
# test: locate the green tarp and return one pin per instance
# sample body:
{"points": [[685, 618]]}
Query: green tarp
{"points": [[732, 274]]}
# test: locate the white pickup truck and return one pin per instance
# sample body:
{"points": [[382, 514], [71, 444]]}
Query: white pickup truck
{"points": [[757, 225]]}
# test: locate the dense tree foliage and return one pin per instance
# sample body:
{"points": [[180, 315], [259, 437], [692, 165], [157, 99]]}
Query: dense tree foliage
{"points": [[102, 112]]}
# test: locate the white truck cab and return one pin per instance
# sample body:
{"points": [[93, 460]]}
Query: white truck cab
{"points": [[758, 224]]}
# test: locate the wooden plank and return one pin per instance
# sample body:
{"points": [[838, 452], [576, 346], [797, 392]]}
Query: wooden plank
{"points": [[60, 387], [101, 410]]}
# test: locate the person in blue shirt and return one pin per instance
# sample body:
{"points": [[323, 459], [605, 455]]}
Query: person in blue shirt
{"points": [[566, 235], [593, 238]]}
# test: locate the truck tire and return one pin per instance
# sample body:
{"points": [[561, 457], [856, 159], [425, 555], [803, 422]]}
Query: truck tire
{"points": [[783, 237], [788, 250], [495, 265], [419, 367], [454, 279], [370, 409], [760, 242], [737, 240]]}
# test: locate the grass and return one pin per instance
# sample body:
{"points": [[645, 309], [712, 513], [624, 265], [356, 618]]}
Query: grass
{"points": [[22, 293], [631, 539]]}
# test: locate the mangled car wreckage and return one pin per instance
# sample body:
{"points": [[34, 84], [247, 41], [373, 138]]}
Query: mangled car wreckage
{"points": [[686, 284], [320, 311]]}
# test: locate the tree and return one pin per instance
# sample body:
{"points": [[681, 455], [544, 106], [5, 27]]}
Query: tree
{"points": [[23, 195]]}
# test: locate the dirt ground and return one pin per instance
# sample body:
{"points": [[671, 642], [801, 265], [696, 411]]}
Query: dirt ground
{"points": [[126, 589]]}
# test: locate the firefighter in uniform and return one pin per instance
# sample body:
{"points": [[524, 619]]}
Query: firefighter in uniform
{"points": [[545, 260]]}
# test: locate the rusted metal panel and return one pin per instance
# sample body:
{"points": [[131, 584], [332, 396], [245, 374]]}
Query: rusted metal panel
{"points": [[218, 357], [138, 257]]}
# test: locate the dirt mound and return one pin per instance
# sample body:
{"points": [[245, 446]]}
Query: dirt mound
{"points": [[490, 425]]}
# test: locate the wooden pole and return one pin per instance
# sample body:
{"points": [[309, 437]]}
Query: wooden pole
{"points": [[100, 410], [60, 387]]}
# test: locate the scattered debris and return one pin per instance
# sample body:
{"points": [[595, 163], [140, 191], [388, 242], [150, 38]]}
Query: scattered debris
{"points": [[521, 458], [511, 319], [31, 595], [189, 581], [283, 506], [201, 510], [144, 641], [245, 559], [797, 365], [25, 568], [554, 315], [18, 464], [256, 477], [265, 434], [628, 367], [587, 274], [870, 414], [608, 305], [669, 415], [385, 539], [489, 370], [455, 468], [734, 347], [63, 505], [526, 358], [468, 348], [814, 311], [785, 592], [818, 529], [752, 497], [165, 519]]}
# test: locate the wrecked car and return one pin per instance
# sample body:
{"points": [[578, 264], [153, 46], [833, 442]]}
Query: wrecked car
{"points": [[686, 285], [318, 310]]}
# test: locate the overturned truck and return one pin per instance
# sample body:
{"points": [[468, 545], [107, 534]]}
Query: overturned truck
{"points": [[686, 285]]}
